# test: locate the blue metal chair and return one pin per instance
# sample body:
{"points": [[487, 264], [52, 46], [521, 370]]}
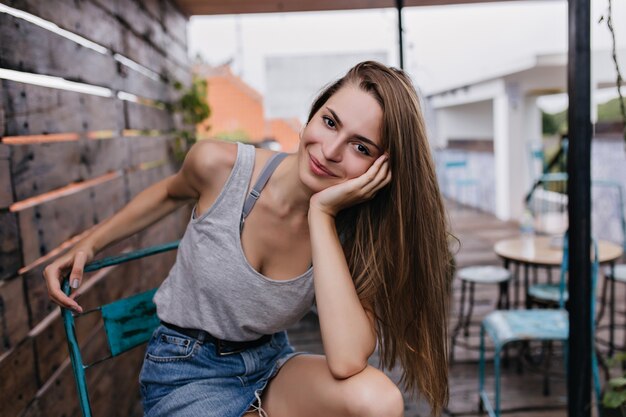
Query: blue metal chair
{"points": [[549, 294], [128, 322], [509, 326], [469, 277]]}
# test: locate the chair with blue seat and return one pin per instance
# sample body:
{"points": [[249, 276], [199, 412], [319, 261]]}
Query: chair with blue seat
{"points": [[546, 325], [549, 293], [469, 277], [128, 322]]}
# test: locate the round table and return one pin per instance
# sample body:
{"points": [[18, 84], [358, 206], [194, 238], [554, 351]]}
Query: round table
{"points": [[546, 252], [538, 251]]}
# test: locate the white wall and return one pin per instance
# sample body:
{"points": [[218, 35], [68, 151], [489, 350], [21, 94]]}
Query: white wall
{"points": [[467, 121]]}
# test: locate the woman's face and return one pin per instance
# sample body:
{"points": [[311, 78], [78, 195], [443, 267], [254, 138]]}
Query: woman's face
{"points": [[342, 140]]}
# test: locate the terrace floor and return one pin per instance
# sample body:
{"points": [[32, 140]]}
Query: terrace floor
{"points": [[521, 393]]}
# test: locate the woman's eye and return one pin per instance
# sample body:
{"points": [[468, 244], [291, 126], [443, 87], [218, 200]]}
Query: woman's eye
{"points": [[328, 121], [362, 149]]}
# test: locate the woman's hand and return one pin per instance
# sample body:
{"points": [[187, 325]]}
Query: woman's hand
{"points": [[354, 191], [53, 274]]}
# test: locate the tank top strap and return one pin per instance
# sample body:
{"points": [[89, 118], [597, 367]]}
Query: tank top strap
{"points": [[264, 177], [234, 191]]}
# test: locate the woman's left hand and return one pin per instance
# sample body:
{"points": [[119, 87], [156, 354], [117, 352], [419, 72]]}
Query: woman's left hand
{"points": [[354, 191]]}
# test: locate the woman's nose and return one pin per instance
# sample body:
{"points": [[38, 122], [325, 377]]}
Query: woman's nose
{"points": [[331, 149]]}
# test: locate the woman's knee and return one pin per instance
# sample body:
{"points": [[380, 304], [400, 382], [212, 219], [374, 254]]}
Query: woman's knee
{"points": [[372, 393]]}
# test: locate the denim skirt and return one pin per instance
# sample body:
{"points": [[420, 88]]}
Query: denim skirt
{"points": [[184, 376]]}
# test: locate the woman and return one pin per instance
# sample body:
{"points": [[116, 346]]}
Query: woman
{"points": [[377, 241]]}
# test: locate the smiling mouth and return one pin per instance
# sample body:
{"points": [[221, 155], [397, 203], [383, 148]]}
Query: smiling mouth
{"points": [[318, 168]]}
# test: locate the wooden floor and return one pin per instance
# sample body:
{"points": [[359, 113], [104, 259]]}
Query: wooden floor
{"points": [[521, 393]]}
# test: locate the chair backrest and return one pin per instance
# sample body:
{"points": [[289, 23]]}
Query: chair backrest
{"points": [[128, 322], [607, 187]]}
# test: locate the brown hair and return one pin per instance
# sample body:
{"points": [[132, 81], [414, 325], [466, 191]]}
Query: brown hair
{"points": [[396, 243]]}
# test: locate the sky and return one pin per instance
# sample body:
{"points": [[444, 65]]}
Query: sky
{"points": [[445, 46]]}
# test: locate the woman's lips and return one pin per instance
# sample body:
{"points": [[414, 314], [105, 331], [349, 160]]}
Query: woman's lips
{"points": [[319, 169]]}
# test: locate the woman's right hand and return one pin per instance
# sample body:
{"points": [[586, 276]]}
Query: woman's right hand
{"points": [[75, 261]]}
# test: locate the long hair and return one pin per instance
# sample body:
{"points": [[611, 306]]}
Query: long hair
{"points": [[396, 243]]}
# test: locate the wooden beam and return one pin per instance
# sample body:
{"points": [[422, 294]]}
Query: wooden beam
{"points": [[214, 7]]}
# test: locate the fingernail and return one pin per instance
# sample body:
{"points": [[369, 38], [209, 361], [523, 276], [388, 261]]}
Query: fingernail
{"points": [[75, 283]]}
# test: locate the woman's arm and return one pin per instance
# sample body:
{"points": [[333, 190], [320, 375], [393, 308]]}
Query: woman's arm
{"points": [[348, 332], [144, 209], [347, 327]]}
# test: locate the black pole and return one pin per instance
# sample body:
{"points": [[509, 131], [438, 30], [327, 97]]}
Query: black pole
{"points": [[579, 210], [399, 5]]}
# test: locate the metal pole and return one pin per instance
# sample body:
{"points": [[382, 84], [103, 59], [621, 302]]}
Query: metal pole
{"points": [[399, 5], [579, 210]]}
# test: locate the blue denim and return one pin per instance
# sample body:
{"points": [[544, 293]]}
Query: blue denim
{"points": [[184, 376]]}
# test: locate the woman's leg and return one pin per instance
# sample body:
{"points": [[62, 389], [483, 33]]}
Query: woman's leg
{"points": [[304, 387]]}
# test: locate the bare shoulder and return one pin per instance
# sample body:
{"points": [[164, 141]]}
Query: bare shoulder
{"points": [[208, 162]]}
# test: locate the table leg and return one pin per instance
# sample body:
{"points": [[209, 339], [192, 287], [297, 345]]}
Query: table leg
{"points": [[612, 312], [459, 324], [605, 287], [549, 271], [470, 311], [517, 279], [526, 273]]}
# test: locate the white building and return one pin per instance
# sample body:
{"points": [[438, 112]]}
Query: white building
{"points": [[502, 113]]}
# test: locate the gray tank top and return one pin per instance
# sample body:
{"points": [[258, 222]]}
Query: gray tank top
{"points": [[212, 287]]}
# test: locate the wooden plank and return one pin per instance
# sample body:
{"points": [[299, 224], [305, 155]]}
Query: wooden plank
{"points": [[116, 392], [149, 149], [143, 117], [19, 35], [18, 384], [57, 397], [41, 167], [37, 292], [49, 336], [72, 16], [33, 110], [142, 86], [2, 113], [10, 250], [150, 57], [13, 314], [139, 180], [45, 226], [175, 21], [108, 198], [6, 191], [96, 68], [136, 18]]}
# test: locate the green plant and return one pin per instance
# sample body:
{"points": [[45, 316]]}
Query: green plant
{"points": [[193, 108], [614, 396]]}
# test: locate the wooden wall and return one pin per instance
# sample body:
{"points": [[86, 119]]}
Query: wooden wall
{"points": [[69, 160]]}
